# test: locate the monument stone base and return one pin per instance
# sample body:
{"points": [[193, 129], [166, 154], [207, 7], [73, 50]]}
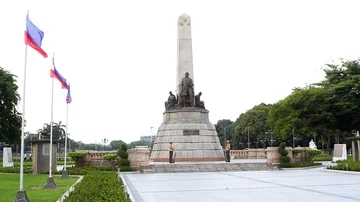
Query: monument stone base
{"points": [[194, 137]]}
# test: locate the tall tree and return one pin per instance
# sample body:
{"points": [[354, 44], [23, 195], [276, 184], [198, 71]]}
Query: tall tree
{"points": [[223, 129], [115, 144], [10, 118], [302, 115], [343, 84], [254, 122]]}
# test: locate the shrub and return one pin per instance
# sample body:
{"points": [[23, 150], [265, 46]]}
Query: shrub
{"points": [[348, 164], [99, 186], [284, 159], [297, 151], [15, 169], [126, 168], [76, 155], [84, 170], [305, 164], [282, 150], [312, 153], [124, 162], [110, 157], [122, 154], [123, 147], [322, 157]]}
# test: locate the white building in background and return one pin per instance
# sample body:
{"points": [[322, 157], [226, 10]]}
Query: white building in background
{"points": [[148, 138]]}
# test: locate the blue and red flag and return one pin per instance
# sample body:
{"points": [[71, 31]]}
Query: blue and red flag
{"points": [[54, 73], [68, 97], [34, 37]]}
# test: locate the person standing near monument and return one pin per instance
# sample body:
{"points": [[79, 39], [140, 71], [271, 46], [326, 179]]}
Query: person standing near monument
{"points": [[171, 152], [187, 90], [227, 151]]}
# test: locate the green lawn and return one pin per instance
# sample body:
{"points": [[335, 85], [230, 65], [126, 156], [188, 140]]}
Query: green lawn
{"points": [[33, 184]]}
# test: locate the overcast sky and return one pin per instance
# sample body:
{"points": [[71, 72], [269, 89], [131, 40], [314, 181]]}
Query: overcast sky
{"points": [[120, 57]]}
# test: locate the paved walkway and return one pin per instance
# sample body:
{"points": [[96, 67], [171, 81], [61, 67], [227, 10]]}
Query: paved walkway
{"points": [[311, 185]]}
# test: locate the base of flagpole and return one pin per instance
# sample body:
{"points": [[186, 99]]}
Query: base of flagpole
{"points": [[21, 196], [50, 184], [64, 175]]}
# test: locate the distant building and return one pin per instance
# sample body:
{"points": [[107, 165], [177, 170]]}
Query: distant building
{"points": [[148, 138]]}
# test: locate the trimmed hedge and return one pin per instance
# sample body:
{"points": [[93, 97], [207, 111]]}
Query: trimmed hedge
{"points": [[76, 155], [348, 165], [284, 159], [98, 187], [122, 154], [86, 169], [15, 169], [322, 157]]}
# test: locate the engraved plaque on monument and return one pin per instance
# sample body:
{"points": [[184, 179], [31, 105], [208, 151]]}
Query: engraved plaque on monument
{"points": [[185, 120]]}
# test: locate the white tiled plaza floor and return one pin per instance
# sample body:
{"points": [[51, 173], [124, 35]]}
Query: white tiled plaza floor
{"points": [[312, 185]]}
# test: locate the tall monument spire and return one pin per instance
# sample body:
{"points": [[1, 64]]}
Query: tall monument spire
{"points": [[185, 120], [184, 51]]}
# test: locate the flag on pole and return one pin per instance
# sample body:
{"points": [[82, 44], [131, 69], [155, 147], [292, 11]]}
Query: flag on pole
{"points": [[34, 37], [68, 97], [54, 73]]}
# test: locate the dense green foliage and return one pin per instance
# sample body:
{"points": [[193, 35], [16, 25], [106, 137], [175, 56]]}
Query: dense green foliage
{"points": [[10, 118], [110, 157], [223, 129], [322, 157], [122, 154], [99, 187], [84, 170], [76, 155], [123, 147], [124, 161], [348, 164], [15, 169], [326, 112], [284, 158], [313, 153]]}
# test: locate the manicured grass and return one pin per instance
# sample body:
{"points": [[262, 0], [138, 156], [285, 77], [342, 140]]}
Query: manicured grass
{"points": [[33, 184]]}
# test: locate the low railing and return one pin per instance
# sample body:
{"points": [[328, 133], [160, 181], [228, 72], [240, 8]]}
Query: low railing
{"points": [[248, 154]]}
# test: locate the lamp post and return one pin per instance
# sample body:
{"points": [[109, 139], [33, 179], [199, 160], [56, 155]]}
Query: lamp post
{"points": [[104, 141], [294, 138], [271, 132], [248, 138]]}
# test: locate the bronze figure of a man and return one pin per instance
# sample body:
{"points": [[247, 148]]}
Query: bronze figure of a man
{"points": [[187, 91]]}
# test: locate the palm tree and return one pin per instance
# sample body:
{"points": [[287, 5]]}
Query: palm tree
{"points": [[58, 131]]}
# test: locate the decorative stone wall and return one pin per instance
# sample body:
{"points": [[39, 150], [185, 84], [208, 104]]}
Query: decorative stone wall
{"points": [[94, 158], [139, 157]]}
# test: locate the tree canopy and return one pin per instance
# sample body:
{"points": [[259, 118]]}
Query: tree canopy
{"points": [[10, 118], [327, 111]]}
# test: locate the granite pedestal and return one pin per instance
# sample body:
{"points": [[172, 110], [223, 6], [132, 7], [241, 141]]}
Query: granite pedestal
{"points": [[192, 134]]}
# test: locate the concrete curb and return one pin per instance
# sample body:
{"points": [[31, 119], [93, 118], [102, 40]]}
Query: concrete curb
{"points": [[341, 172], [303, 168], [66, 194], [126, 187]]}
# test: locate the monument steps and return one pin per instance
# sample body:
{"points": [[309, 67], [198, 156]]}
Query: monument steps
{"points": [[206, 167]]}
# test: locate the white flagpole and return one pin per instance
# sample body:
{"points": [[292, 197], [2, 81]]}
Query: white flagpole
{"points": [[50, 184], [51, 126], [23, 128], [21, 194], [64, 174]]}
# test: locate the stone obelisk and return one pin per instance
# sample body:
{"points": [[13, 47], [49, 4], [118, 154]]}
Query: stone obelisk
{"points": [[186, 126], [184, 51]]}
